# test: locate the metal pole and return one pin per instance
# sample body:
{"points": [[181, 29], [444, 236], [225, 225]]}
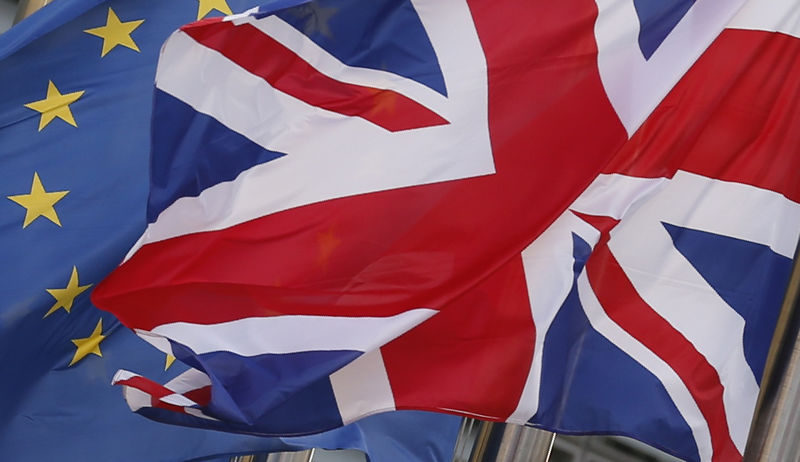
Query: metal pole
{"points": [[27, 7], [532, 444], [298, 456], [499, 442], [775, 432]]}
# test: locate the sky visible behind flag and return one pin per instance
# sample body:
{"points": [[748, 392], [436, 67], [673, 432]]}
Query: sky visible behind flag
{"points": [[75, 102]]}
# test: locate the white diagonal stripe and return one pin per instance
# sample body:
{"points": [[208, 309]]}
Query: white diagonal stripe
{"points": [[345, 155], [672, 383], [191, 379], [636, 85], [700, 203], [291, 334], [669, 283], [329, 65], [548, 263], [362, 387], [177, 400], [136, 399], [769, 15]]}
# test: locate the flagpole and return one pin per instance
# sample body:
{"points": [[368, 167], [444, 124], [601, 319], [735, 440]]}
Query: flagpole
{"points": [[499, 442], [28, 7], [296, 456], [775, 432]]}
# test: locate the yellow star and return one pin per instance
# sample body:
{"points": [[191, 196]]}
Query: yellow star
{"points": [[90, 344], [39, 203], [55, 105], [170, 360], [205, 7], [116, 33], [66, 297]]}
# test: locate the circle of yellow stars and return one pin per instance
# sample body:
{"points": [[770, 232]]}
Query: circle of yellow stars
{"points": [[40, 202]]}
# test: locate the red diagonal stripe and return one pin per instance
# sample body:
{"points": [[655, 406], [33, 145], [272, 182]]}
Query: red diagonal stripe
{"points": [[261, 55], [732, 117], [155, 390], [201, 396], [625, 307]]}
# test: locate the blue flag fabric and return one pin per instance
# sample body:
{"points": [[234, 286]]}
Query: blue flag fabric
{"points": [[75, 101]]}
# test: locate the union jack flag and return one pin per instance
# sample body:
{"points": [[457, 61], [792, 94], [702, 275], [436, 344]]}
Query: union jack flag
{"points": [[503, 211]]}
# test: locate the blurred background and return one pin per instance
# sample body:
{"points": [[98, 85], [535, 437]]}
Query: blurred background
{"points": [[7, 10]]}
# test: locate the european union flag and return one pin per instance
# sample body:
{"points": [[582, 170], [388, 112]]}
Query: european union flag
{"points": [[76, 84]]}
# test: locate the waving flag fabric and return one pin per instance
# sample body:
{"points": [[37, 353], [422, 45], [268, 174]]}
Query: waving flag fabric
{"points": [[75, 104], [359, 207]]}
